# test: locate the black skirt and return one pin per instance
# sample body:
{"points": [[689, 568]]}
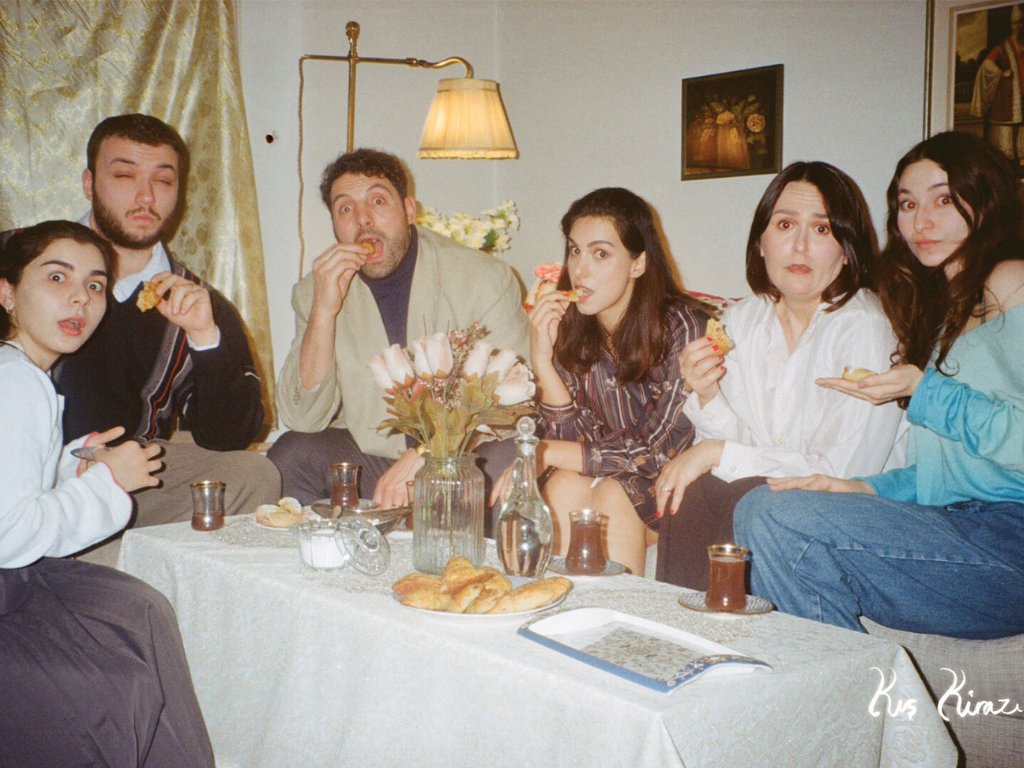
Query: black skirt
{"points": [[704, 518]]}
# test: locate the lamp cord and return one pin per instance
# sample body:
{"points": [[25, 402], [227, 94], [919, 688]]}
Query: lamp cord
{"points": [[302, 185]]}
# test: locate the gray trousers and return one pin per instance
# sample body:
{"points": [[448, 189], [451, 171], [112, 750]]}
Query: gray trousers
{"points": [[251, 479], [93, 672]]}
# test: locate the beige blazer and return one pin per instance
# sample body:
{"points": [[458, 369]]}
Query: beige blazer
{"points": [[452, 287]]}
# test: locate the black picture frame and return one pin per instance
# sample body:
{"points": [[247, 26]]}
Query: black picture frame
{"points": [[732, 124]]}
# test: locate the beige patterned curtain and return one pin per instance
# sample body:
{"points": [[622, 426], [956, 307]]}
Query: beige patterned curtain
{"points": [[66, 65]]}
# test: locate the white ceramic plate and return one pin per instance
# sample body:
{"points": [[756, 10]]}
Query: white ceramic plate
{"points": [[485, 619]]}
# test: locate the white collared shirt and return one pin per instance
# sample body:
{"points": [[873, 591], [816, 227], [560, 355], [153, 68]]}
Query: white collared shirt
{"points": [[776, 422]]}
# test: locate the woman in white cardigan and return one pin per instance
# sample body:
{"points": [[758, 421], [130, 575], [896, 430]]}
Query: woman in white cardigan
{"points": [[756, 409], [92, 668]]}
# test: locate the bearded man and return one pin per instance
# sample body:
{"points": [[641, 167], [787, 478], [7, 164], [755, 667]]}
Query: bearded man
{"points": [[186, 359], [385, 281]]}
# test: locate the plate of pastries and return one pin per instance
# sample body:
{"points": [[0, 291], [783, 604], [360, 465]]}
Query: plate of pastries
{"points": [[478, 595], [282, 516]]}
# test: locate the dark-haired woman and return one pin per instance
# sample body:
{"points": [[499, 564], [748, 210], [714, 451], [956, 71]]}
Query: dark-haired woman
{"points": [[92, 669], [757, 411], [610, 392], [938, 546]]}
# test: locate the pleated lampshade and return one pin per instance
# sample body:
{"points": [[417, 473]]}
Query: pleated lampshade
{"points": [[467, 120]]}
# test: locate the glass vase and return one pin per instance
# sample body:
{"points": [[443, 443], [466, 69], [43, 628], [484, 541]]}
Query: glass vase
{"points": [[448, 508]]}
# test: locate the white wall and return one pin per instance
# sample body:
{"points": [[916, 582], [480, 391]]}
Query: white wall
{"points": [[593, 93]]}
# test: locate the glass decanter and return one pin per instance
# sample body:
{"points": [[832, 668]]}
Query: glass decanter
{"points": [[525, 529]]}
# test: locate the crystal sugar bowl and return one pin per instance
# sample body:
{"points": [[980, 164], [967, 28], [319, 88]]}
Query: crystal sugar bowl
{"points": [[327, 545]]}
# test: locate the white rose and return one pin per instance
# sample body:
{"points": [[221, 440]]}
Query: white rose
{"points": [[501, 362], [398, 366], [433, 355], [516, 387], [379, 369], [476, 363]]}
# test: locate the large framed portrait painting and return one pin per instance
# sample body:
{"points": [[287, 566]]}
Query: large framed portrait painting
{"points": [[986, 74], [732, 123]]}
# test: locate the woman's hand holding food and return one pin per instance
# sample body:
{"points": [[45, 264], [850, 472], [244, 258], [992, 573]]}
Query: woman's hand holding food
{"points": [[689, 465], [899, 381], [700, 365], [545, 318]]}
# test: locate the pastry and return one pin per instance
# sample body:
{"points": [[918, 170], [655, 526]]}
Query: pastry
{"points": [[273, 516], [497, 581], [536, 594], [717, 333], [148, 297], [486, 600], [856, 374], [460, 572], [573, 295], [461, 599], [290, 504], [413, 581], [427, 598]]}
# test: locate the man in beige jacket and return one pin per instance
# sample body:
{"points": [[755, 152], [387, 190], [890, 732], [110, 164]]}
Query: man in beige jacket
{"points": [[384, 282]]}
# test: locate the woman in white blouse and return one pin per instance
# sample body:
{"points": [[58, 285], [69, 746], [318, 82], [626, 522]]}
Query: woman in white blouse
{"points": [[758, 412]]}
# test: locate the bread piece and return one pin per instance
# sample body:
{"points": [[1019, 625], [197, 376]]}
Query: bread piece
{"points": [[573, 295], [148, 297], [407, 584], [290, 504], [856, 374], [369, 247], [536, 594], [461, 599], [428, 598], [460, 572], [486, 600], [497, 581], [717, 333], [273, 516]]}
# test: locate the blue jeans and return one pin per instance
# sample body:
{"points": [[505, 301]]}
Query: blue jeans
{"points": [[956, 571]]}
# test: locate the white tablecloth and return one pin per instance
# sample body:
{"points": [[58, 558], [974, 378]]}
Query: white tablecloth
{"points": [[301, 668]]}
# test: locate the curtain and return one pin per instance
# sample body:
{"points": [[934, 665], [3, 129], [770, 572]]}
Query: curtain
{"points": [[67, 65]]}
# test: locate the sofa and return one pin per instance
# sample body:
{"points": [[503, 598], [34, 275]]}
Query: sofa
{"points": [[986, 671]]}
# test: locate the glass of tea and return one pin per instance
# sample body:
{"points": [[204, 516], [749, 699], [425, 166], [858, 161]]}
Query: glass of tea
{"points": [[726, 590], [586, 554], [345, 486], [207, 505]]}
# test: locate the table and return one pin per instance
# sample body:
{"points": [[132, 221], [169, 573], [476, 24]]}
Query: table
{"points": [[299, 667]]}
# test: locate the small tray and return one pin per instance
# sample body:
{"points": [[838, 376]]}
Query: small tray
{"points": [[645, 652], [697, 601]]}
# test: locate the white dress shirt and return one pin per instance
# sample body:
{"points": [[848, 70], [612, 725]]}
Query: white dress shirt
{"points": [[775, 421], [45, 510]]}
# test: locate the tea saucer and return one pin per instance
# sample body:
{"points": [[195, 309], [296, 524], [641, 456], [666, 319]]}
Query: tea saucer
{"points": [[611, 568], [695, 601]]}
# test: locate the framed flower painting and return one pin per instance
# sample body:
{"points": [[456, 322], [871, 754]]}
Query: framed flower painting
{"points": [[732, 124]]}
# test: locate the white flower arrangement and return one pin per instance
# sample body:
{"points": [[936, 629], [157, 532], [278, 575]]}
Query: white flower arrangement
{"points": [[490, 233]]}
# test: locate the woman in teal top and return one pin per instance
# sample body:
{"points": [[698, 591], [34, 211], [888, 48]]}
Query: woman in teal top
{"points": [[937, 547]]}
